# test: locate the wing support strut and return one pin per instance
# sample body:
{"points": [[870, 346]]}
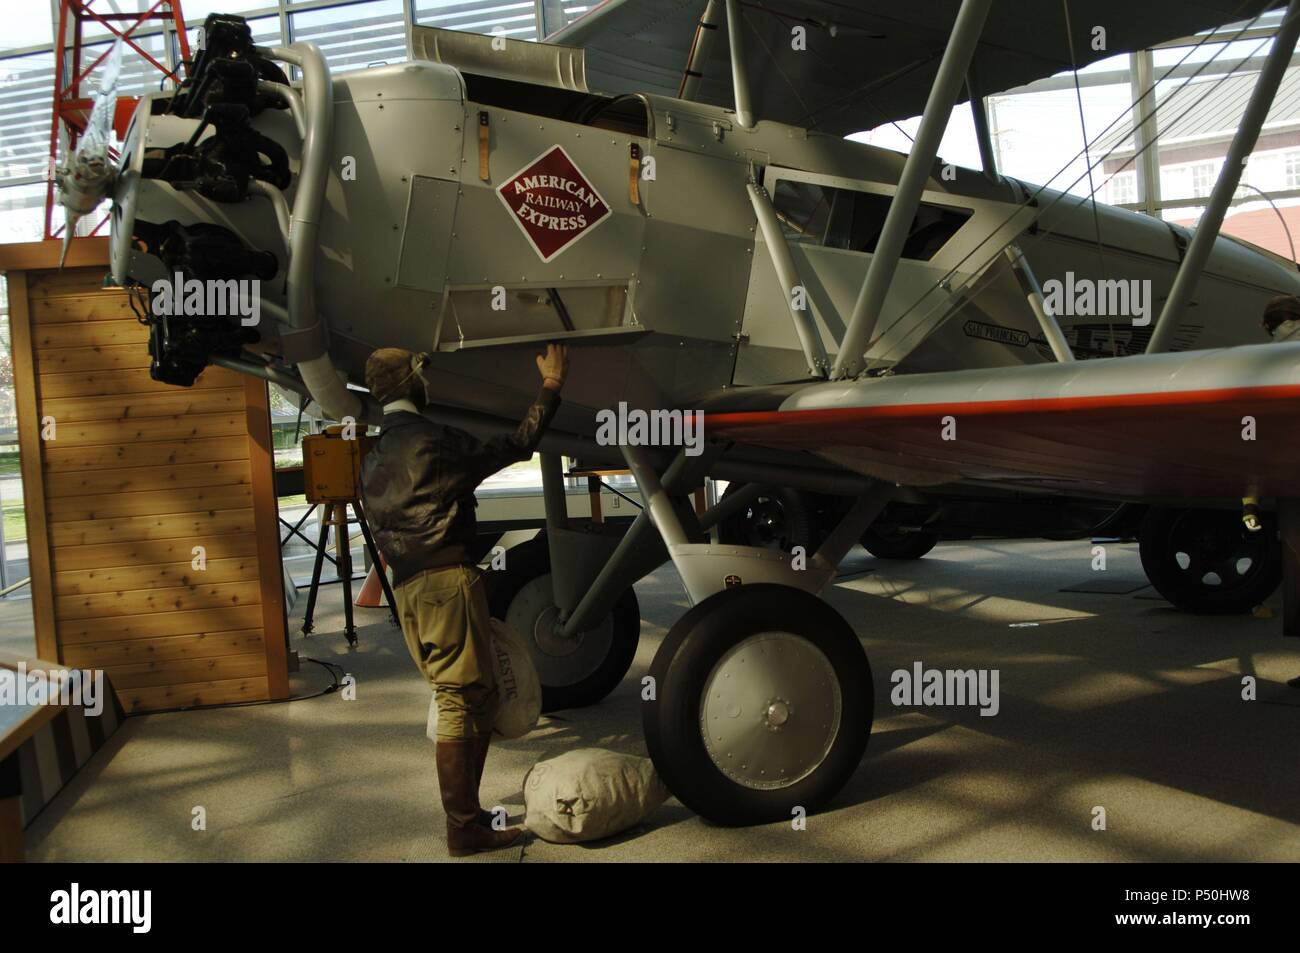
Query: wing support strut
{"points": [[916, 172], [739, 75], [701, 49], [1038, 304], [1243, 142], [983, 137], [814, 350]]}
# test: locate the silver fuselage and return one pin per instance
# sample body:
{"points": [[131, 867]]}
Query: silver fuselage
{"points": [[673, 296]]}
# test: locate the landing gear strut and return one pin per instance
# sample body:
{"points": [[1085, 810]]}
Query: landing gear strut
{"points": [[759, 703], [762, 697], [575, 671]]}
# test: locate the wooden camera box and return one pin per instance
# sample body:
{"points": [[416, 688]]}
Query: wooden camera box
{"points": [[331, 465]]}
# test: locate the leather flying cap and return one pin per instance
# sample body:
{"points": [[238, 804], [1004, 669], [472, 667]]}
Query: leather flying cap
{"points": [[390, 375]]}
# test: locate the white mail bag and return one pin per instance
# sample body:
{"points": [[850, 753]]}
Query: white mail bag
{"points": [[588, 794]]}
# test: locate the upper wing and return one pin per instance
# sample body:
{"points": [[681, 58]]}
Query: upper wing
{"points": [[869, 61], [1210, 424]]}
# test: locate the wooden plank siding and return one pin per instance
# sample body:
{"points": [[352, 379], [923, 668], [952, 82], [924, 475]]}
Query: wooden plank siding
{"points": [[137, 474]]}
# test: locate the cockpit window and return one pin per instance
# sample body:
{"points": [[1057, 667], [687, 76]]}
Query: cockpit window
{"points": [[851, 219]]}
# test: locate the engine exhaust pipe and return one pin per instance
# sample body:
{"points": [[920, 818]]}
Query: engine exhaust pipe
{"points": [[325, 383]]}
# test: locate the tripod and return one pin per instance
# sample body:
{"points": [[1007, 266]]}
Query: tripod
{"points": [[335, 513]]}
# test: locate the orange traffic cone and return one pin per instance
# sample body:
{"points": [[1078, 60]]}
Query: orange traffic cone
{"points": [[371, 595]]}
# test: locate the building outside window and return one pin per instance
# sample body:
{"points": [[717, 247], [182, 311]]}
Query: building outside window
{"points": [[1123, 188], [1203, 176], [1291, 162]]}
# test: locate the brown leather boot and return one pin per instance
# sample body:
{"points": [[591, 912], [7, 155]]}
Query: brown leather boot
{"points": [[481, 743], [457, 761]]}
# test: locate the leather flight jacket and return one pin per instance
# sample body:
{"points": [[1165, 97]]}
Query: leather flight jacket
{"points": [[418, 482]]}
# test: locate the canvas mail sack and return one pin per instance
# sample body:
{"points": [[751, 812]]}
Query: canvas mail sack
{"points": [[588, 794], [519, 689]]}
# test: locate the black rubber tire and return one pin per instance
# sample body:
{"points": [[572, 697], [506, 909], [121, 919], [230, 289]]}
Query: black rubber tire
{"points": [[889, 543], [779, 519], [681, 669], [1213, 541], [532, 559]]}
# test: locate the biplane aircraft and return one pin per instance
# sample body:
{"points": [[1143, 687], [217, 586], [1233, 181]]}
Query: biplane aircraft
{"points": [[665, 185]]}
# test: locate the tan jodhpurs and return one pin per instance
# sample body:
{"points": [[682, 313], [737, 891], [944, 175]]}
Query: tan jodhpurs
{"points": [[447, 625]]}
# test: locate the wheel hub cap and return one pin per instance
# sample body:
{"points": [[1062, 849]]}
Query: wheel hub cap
{"points": [[549, 634], [1215, 552], [777, 714], [771, 710]]}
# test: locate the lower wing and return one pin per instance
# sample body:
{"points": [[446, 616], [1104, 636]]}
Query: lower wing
{"points": [[1208, 424]]}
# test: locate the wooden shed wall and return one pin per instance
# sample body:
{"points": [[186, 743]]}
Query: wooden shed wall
{"points": [[136, 476]]}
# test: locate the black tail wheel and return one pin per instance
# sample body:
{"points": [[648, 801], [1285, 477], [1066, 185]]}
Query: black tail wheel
{"points": [[763, 705], [777, 519], [574, 672], [1206, 561]]}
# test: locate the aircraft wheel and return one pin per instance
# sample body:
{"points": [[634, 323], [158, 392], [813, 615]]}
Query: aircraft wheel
{"points": [[1206, 561], [890, 542], [778, 519], [763, 704], [574, 672]]}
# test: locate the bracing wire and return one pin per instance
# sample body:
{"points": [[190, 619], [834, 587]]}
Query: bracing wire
{"points": [[1087, 157], [1031, 198]]}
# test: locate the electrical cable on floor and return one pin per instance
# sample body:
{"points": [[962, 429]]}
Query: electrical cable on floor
{"points": [[333, 668]]}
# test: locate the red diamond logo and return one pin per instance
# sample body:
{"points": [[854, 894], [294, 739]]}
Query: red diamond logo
{"points": [[552, 202]]}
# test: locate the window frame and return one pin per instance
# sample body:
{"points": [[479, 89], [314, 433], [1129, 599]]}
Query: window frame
{"points": [[969, 207]]}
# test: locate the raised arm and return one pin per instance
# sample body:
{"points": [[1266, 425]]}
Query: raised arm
{"points": [[501, 451]]}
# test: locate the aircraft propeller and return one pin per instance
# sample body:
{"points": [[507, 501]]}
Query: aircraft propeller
{"points": [[85, 179]]}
